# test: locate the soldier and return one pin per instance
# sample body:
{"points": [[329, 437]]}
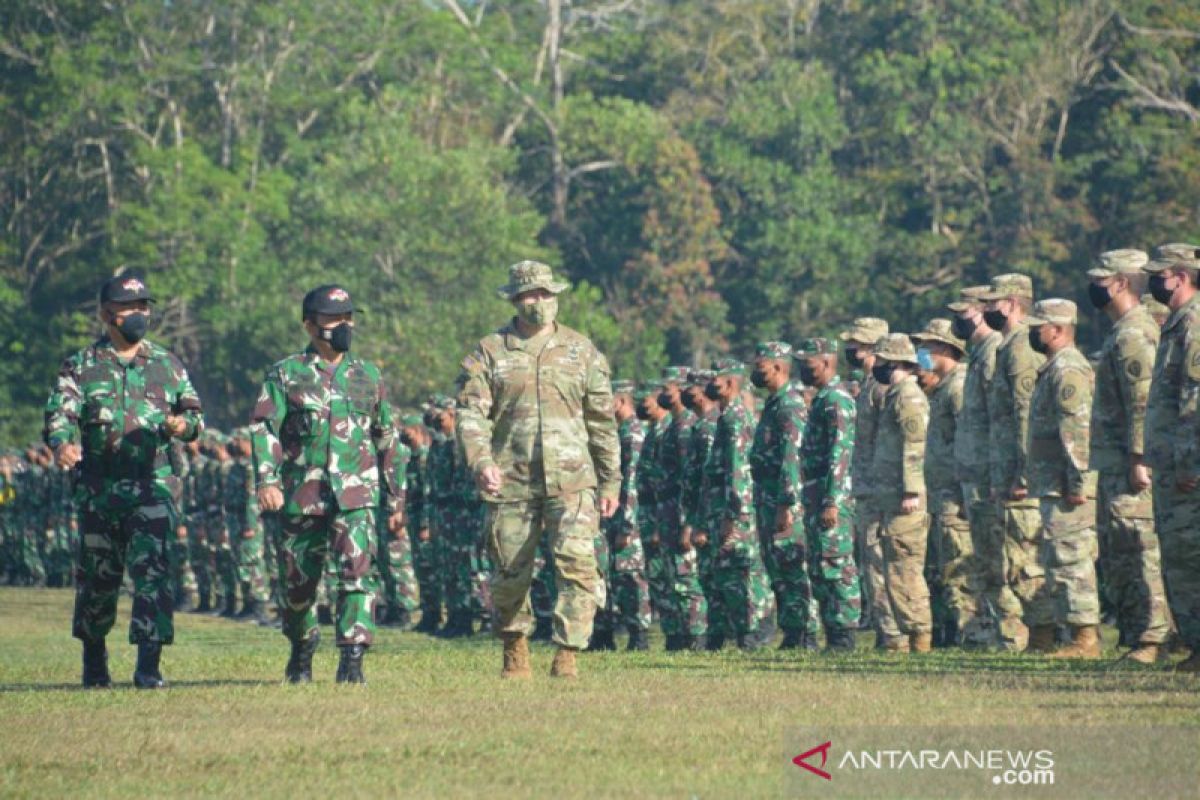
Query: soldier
{"points": [[1057, 475], [194, 517], [1009, 299], [775, 466], [1129, 550], [449, 517], [860, 341], [898, 466], [697, 496], [1171, 437], [418, 439], [649, 475], [395, 551], [244, 527], [826, 457], [741, 579], [32, 495], [536, 426], [220, 547], [955, 574], [323, 434], [114, 410]]}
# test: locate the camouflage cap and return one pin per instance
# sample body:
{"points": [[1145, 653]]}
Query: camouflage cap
{"points": [[624, 387], [729, 366], [645, 389], [940, 330], [773, 350], [674, 375], [1012, 284], [1169, 256], [968, 298], [866, 330], [1053, 311], [445, 402], [411, 420], [700, 376], [815, 347], [1154, 307], [525, 276], [896, 347], [1117, 262]]}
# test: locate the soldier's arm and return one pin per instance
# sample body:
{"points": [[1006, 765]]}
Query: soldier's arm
{"points": [[1024, 379], [629, 490], [837, 490], [400, 475], [187, 403], [63, 406], [1187, 439], [473, 420], [603, 442], [792, 429], [913, 417], [1073, 401], [999, 397], [266, 421], [740, 489], [383, 436]]}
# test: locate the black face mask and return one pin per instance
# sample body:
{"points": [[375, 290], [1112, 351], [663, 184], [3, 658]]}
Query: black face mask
{"points": [[712, 392], [996, 320], [884, 373], [808, 375], [759, 378], [642, 412], [853, 358], [963, 328], [1098, 295], [338, 336], [1035, 341], [664, 401], [688, 400], [133, 327], [1159, 290]]}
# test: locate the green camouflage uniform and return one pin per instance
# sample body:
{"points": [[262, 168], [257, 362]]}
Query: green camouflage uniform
{"points": [[183, 580], [32, 497], [245, 529], [395, 554], [687, 603], [117, 409], [630, 591], [324, 434], [220, 547], [658, 573], [418, 503], [196, 517], [62, 527]]}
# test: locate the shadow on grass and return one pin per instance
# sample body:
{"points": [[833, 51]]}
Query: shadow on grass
{"points": [[8, 688]]}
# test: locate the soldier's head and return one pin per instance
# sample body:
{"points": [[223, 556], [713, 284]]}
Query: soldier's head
{"points": [[648, 408], [816, 361], [622, 392], [1008, 300], [968, 323], [193, 447], [1172, 273], [772, 365], [939, 350], [242, 444], [861, 339], [671, 386], [726, 382], [693, 394], [533, 291], [328, 316], [124, 308], [412, 431], [445, 414], [1117, 280], [895, 359], [1052, 325]]}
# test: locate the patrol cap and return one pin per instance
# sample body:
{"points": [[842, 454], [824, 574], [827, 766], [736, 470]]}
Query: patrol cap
{"points": [[674, 375], [1053, 311], [327, 299], [526, 276], [444, 402], [1012, 284], [700, 376], [1117, 262], [968, 298], [896, 347], [866, 330], [126, 288], [939, 330], [729, 366], [624, 387], [775, 350], [410, 420], [1170, 256], [815, 347]]}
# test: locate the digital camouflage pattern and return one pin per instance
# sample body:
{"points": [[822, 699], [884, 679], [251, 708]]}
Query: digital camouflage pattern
{"points": [[688, 605], [868, 515], [630, 591], [244, 526]]}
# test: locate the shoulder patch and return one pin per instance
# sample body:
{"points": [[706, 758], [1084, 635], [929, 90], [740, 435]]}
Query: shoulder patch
{"points": [[1027, 383], [472, 364], [1067, 392], [912, 425], [1133, 369]]}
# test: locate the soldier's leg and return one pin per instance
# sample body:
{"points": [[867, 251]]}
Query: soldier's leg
{"points": [[836, 582], [147, 531], [1069, 544], [102, 554], [603, 623], [184, 582], [386, 564], [541, 592], [630, 589], [799, 611], [571, 523], [1024, 571], [352, 545], [425, 568], [904, 541], [1129, 547], [481, 570], [874, 580], [305, 550], [33, 534], [514, 531], [1179, 539], [198, 559], [743, 584], [719, 624], [957, 568]]}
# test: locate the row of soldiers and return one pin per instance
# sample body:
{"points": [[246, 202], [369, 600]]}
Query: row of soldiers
{"points": [[39, 532]]}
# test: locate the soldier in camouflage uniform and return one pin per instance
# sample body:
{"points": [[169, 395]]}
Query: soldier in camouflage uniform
{"points": [[860, 341], [1129, 551], [194, 517], [114, 410], [630, 592], [323, 442], [245, 529], [1173, 437], [62, 527], [775, 466], [220, 547], [741, 579], [649, 476], [32, 496], [1057, 475], [1009, 299], [826, 456], [395, 549], [183, 581], [1158, 312], [697, 495], [536, 425], [898, 466], [419, 440]]}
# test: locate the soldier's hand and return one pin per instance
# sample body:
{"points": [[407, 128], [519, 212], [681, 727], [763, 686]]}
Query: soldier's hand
{"points": [[784, 519], [223, 538], [654, 540], [1139, 477], [623, 541], [685, 540], [1187, 484], [829, 517], [608, 506], [910, 503], [1018, 493], [395, 523], [700, 538], [1075, 500], [68, 455], [726, 531], [489, 479], [270, 498], [181, 533], [248, 533], [175, 425], [423, 534]]}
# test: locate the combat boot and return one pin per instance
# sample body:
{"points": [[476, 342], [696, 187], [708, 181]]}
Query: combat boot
{"points": [[350, 667], [202, 607], [838, 640], [564, 664], [637, 640], [1085, 643], [544, 630], [601, 640], [1041, 639], [1146, 653], [324, 614], [230, 609], [791, 640], [398, 617], [808, 642], [921, 642], [146, 674], [716, 642], [897, 645], [516, 656], [1189, 664], [430, 617], [696, 643], [95, 665], [674, 643], [299, 666]]}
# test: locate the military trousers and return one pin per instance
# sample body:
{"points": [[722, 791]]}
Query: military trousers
{"points": [[957, 583], [832, 567], [1131, 560], [1178, 516], [248, 543], [630, 590], [396, 569], [1062, 578], [569, 524], [904, 537], [741, 580], [869, 546], [798, 608], [687, 602]]}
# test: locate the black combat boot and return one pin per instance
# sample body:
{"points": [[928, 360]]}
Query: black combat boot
{"points": [[299, 666], [543, 631], [397, 617], [637, 640], [839, 640], [95, 665], [792, 640], [203, 606], [350, 666], [674, 643], [716, 641], [430, 617], [758, 639], [697, 643], [146, 674], [601, 640], [229, 611], [808, 642]]}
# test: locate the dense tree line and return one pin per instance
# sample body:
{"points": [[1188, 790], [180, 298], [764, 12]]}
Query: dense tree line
{"points": [[705, 172]]}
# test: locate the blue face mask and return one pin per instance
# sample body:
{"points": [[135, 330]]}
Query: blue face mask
{"points": [[924, 360]]}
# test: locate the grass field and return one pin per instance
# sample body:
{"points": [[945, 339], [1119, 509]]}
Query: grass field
{"points": [[435, 720]]}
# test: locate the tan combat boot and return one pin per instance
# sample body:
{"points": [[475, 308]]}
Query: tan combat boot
{"points": [[898, 645], [564, 664], [1041, 639], [1085, 643], [516, 657], [1146, 653], [921, 642]]}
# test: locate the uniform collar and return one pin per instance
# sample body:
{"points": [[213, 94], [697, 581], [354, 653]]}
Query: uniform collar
{"points": [[104, 347], [1179, 313], [514, 341]]}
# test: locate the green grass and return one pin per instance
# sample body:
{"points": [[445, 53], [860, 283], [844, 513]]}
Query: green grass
{"points": [[437, 721]]}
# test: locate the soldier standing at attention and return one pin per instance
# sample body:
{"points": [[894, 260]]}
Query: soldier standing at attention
{"points": [[114, 410], [536, 426], [323, 433]]}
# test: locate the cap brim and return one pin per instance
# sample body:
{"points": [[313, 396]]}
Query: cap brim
{"points": [[1099, 273], [1035, 322], [927, 337], [508, 291], [960, 306], [1159, 266]]}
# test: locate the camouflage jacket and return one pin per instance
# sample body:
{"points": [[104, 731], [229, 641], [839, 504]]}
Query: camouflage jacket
{"points": [[827, 452], [729, 470], [192, 501], [866, 420], [241, 501], [322, 432], [696, 494], [440, 468], [416, 495], [973, 435], [900, 443], [119, 409], [211, 484], [541, 410], [775, 454], [632, 435], [672, 462], [1059, 422], [945, 412], [1012, 388], [1123, 373], [649, 474], [1173, 409], [399, 482]]}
